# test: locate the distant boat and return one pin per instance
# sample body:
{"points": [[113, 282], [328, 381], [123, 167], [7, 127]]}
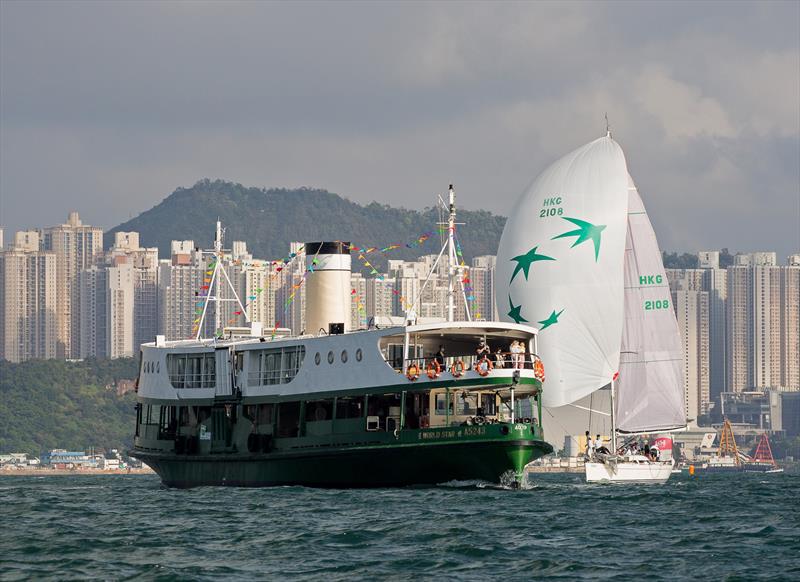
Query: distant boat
{"points": [[730, 459], [579, 256]]}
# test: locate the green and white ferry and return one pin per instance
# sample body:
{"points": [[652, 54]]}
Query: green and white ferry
{"points": [[369, 408]]}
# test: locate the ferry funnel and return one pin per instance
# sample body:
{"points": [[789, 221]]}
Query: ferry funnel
{"points": [[328, 288]]}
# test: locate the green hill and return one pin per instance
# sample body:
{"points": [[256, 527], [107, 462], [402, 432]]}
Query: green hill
{"points": [[47, 404], [269, 219]]}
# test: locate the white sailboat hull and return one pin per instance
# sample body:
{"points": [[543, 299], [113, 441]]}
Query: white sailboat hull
{"points": [[629, 471]]}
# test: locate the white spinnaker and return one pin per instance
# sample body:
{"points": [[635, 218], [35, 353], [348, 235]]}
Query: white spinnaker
{"points": [[577, 288], [649, 392]]}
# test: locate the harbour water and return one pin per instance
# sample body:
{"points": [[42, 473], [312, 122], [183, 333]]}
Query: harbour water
{"points": [[733, 527]]}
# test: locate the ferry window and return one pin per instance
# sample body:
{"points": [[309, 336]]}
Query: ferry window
{"points": [[317, 359], [441, 404], [271, 367], [467, 404], [264, 414], [319, 410], [276, 366], [191, 370], [489, 404], [289, 419], [350, 407], [359, 354], [383, 405], [344, 356], [330, 357], [153, 414]]}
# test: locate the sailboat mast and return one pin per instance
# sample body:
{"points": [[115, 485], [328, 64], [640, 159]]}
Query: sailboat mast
{"points": [[613, 423], [451, 253]]}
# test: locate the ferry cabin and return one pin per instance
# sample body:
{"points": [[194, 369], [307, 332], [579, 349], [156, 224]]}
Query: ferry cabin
{"points": [[320, 410]]}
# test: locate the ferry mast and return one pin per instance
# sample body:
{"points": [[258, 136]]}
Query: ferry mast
{"points": [[214, 291], [454, 268]]}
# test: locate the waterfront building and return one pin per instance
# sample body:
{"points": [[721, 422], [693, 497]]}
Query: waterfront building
{"points": [[77, 246], [28, 300]]}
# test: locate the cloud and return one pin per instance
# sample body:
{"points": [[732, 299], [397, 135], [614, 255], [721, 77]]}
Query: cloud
{"points": [[108, 107]]}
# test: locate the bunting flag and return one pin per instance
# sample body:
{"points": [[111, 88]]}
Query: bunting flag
{"points": [[469, 291]]}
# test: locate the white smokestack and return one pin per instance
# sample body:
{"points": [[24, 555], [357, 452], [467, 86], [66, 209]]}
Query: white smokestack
{"points": [[328, 287]]}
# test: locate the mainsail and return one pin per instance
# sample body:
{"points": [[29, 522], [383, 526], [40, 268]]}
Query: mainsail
{"points": [[649, 392], [560, 267]]}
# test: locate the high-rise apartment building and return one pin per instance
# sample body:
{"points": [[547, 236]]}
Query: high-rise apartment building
{"points": [[691, 304], [144, 261], [790, 324], [28, 279], [107, 311], [762, 324], [481, 276], [77, 246], [715, 284]]}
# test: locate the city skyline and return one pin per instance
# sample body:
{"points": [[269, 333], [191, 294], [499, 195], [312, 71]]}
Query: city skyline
{"points": [[481, 95], [740, 325]]}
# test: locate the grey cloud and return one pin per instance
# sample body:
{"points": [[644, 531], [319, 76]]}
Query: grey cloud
{"points": [[107, 107]]}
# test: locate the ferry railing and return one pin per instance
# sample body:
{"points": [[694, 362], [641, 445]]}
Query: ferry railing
{"points": [[202, 380], [499, 360]]}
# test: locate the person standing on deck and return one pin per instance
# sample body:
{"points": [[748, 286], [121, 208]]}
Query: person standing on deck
{"points": [[439, 357]]}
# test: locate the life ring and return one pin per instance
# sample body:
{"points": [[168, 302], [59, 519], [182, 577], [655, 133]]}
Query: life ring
{"points": [[538, 370], [433, 369], [412, 372], [457, 369], [484, 366]]}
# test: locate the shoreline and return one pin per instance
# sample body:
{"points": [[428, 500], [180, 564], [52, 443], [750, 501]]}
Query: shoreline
{"points": [[61, 472]]}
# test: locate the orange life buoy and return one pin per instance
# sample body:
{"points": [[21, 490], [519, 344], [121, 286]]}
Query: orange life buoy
{"points": [[412, 372], [457, 369], [484, 366], [433, 369], [538, 370]]}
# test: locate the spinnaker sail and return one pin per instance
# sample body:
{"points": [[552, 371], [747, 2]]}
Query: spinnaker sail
{"points": [[560, 267]]}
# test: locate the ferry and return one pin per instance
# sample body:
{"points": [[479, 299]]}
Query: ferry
{"points": [[340, 408]]}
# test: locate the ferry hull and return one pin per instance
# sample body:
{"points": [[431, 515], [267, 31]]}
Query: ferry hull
{"points": [[384, 466]]}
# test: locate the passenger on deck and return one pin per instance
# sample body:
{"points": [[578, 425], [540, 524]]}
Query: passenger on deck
{"points": [[647, 450], [499, 359], [439, 357], [483, 349], [599, 447], [589, 445]]}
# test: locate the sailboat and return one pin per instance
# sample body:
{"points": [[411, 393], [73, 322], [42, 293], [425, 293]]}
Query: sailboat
{"points": [[602, 301]]}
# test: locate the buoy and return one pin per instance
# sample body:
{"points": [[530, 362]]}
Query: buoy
{"points": [[691, 469]]}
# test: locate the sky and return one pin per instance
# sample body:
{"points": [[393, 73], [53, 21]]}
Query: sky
{"points": [[106, 108]]}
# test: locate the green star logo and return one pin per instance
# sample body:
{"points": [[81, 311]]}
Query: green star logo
{"points": [[552, 319], [515, 312], [585, 231], [525, 261]]}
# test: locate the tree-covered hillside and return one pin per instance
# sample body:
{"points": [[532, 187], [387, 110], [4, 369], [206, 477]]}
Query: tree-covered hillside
{"points": [[269, 219], [47, 404]]}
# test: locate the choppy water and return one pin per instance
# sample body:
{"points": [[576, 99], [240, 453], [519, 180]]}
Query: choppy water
{"points": [[734, 527]]}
